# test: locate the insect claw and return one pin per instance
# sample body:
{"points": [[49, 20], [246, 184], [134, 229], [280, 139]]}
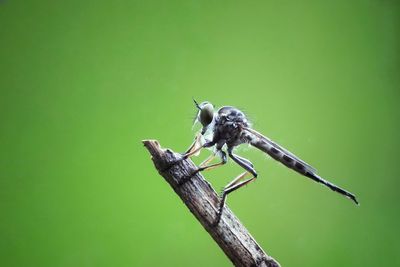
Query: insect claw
{"points": [[217, 219]]}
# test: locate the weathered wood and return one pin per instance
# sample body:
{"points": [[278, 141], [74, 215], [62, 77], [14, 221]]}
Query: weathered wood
{"points": [[202, 201]]}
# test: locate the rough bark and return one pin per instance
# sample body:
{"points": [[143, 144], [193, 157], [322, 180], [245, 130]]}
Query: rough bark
{"points": [[202, 201]]}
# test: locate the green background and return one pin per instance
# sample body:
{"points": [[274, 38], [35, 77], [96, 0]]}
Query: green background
{"points": [[83, 82]]}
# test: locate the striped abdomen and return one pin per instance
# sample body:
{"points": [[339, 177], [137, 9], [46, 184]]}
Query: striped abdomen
{"points": [[277, 152], [290, 160]]}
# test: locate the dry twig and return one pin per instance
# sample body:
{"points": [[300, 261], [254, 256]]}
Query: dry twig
{"points": [[202, 201]]}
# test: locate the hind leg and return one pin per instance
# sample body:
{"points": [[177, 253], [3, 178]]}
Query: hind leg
{"points": [[236, 184]]}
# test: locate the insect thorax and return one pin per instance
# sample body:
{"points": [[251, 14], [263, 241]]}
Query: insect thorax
{"points": [[228, 126]]}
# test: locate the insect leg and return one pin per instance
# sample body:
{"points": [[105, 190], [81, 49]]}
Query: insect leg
{"points": [[235, 184], [244, 160], [191, 151], [194, 151], [195, 144], [204, 167], [208, 160], [244, 163], [229, 190], [237, 179]]}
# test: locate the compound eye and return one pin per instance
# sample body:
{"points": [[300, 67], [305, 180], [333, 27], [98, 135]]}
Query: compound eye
{"points": [[206, 114]]}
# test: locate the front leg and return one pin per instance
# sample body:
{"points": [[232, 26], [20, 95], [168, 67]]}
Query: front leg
{"points": [[196, 143], [194, 148], [194, 151], [187, 155]]}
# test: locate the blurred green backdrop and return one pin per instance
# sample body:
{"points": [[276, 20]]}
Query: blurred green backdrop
{"points": [[83, 82]]}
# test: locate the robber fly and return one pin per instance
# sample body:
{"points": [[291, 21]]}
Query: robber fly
{"points": [[229, 128]]}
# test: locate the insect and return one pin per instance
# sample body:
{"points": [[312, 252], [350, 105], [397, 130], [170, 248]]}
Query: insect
{"points": [[229, 128]]}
